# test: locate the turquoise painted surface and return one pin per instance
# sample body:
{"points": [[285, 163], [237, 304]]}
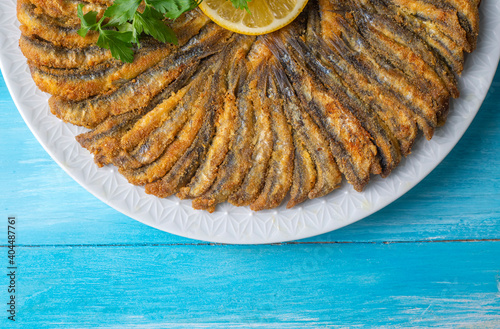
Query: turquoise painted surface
{"points": [[412, 264], [410, 284]]}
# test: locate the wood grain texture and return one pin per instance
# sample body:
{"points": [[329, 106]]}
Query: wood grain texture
{"points": [[416, 285]]}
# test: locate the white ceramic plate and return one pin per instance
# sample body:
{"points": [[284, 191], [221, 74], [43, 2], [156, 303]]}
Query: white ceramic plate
{"points": [[230, 224]]}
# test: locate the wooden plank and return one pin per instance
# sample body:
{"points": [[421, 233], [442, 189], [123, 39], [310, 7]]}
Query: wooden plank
{"points": [[418, 285], [460, 199]]}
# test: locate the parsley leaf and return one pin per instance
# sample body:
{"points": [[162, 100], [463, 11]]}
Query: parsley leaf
{"points": [[241, 4], [119, 43], [174, 8], [150, 22], [89, 21], [122, 11]]}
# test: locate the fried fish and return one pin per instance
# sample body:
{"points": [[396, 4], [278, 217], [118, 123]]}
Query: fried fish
{"points": [[342, 92]]}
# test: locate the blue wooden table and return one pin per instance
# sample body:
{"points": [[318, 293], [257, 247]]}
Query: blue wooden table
{"points": [[432, 258]]}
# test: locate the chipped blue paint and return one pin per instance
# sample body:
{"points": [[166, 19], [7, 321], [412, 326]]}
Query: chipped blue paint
{"points": [[82, 264]]}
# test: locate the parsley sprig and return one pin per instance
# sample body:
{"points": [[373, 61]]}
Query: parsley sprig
{"points": [[123, 24]]}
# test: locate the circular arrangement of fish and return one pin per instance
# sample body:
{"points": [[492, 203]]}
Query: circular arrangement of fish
{"points": [[340, 93]]}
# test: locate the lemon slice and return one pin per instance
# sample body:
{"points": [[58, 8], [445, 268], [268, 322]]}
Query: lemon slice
{"points": [[265, 15]]}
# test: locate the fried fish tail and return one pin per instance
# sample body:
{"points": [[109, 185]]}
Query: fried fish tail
{"points": [[263, 141]]}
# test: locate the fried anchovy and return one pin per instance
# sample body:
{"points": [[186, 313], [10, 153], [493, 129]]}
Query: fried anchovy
{"points": [[46, 28], [353, 48], [183, 140], [368, 80], [367, 96], [280, 169], [184, 169], [156, 130], [154, 144], [441, 44], [211, 101], [78, 84], [104, 141], [41, 52], [468, 16], [402, 57], [357, 91], [129, 97], [162, 114], [356, 157], [143, 134], [239, 157], [443, 18], [226, 126], [186, 166], [65, 10], [417, 71], [388, 28], [321, 147], [207, 172], [335, 107], [304, 174], [262, 144], [445, 47], [135, 93]]}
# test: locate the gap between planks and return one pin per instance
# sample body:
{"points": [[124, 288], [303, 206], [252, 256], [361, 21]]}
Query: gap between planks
{"points": [[225, 244]]}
